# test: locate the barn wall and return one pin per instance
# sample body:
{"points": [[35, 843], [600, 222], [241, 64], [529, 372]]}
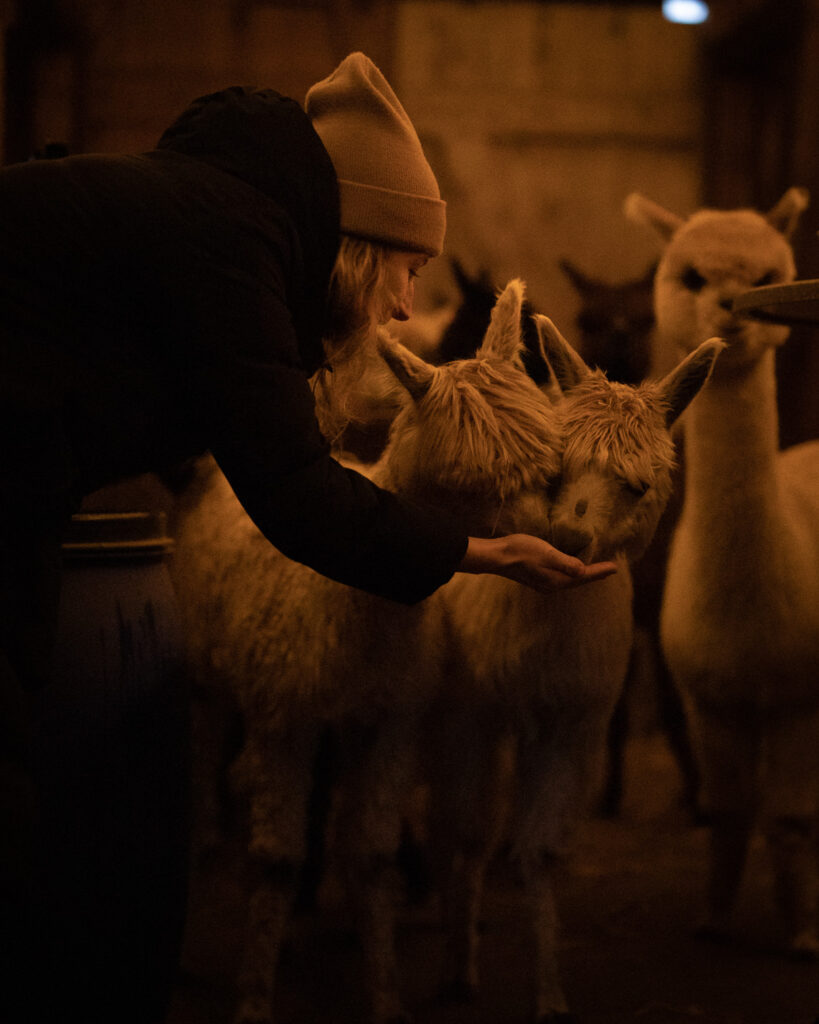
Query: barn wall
{"points": [[538, 118]]}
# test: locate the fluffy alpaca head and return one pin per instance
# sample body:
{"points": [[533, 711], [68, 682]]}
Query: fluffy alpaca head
{"points": [[618, 454], [615, 322], [476, 435], [707, 261]]}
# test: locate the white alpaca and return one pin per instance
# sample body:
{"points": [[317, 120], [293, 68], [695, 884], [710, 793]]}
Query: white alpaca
{"points": [[740, 617], [543, 672], [301, 652]]}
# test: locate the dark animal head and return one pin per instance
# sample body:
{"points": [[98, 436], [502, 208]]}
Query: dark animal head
{"points": [[465, 333], [615, 323]]}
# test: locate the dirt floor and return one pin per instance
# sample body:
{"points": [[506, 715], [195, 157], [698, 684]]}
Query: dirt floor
{"points": [[630, 904]]}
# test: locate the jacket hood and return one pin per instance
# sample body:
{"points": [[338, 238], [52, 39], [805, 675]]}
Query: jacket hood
{"points": [[267, 141]]}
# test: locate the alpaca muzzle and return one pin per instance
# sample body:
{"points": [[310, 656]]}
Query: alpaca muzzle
{"points": [[571, 540]]}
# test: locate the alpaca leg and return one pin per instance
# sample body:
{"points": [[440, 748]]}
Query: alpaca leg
{"points": [[792, 845], [318, 815], [791, 827], [413, 863], [550, 1001], [728, 852], [617, 737], [462, 901], [730, 750], [275, 777], [485, 796], [558, 774], [273, 888], [376, 782], [376, 898], [469, 799], [674, 721], [215, 731]]}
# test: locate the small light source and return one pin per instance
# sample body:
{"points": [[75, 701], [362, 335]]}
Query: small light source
{"points": [[685, 12]]}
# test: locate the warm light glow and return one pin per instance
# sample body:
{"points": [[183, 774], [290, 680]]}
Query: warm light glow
{"points": [[685, 12]]}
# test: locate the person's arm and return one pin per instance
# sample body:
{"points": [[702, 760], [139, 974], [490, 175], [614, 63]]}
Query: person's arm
{"points": [[259, 409], [531, 561], [266, 440]]}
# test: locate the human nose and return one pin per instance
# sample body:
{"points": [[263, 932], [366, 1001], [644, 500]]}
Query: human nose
{"points": [[403, 308]]}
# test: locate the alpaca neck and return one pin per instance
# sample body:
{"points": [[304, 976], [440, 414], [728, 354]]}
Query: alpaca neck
{"points": [[731, 445]]}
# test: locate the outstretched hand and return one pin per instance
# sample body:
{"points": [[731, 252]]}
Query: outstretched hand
{"points": [[531, 561]]}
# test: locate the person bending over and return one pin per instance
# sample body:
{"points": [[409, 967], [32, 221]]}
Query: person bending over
{"points": [[159, 305]]}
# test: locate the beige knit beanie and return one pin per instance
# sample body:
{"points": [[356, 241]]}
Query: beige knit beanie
{"points": [[387, 189]]}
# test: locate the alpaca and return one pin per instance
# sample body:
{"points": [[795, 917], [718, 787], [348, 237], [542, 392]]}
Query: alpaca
{"points": [[740, 615], [615, 325], [459, 338], [615, 322], [372, 399], [539, 674], [300, 652], [477, 297], [374, 395]]}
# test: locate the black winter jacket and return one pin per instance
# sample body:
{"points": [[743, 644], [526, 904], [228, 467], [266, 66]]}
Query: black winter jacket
{"points": [[161, 305]]}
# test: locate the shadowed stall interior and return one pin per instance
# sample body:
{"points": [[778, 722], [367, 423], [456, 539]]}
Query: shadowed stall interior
{"points": [[539, 119]]}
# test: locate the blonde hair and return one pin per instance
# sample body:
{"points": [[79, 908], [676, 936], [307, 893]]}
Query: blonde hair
{"points": [[356, 292], [357, 298]]}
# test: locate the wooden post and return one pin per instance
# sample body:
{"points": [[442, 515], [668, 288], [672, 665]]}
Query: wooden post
{"points": [[7, 14]]}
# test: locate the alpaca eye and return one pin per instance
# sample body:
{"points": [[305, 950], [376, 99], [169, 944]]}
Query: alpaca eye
{"points": [[768, 278], [637, 490], [693, 280]]}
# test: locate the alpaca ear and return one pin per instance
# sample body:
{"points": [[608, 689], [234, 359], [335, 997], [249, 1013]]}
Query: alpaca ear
{"points": [[650, 274], [461, 278], [680, 386], [785, 215], [581, 282], [466, 284], [566, 364], [504, 336], [644, 211], [414, 373]]}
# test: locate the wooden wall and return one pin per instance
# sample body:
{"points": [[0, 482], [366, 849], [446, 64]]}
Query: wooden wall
{"points": [[540, 119], [537, 117]]}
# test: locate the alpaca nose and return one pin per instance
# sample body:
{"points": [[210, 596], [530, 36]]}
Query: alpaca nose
{"points": [[727, 303], [569, 539]]}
